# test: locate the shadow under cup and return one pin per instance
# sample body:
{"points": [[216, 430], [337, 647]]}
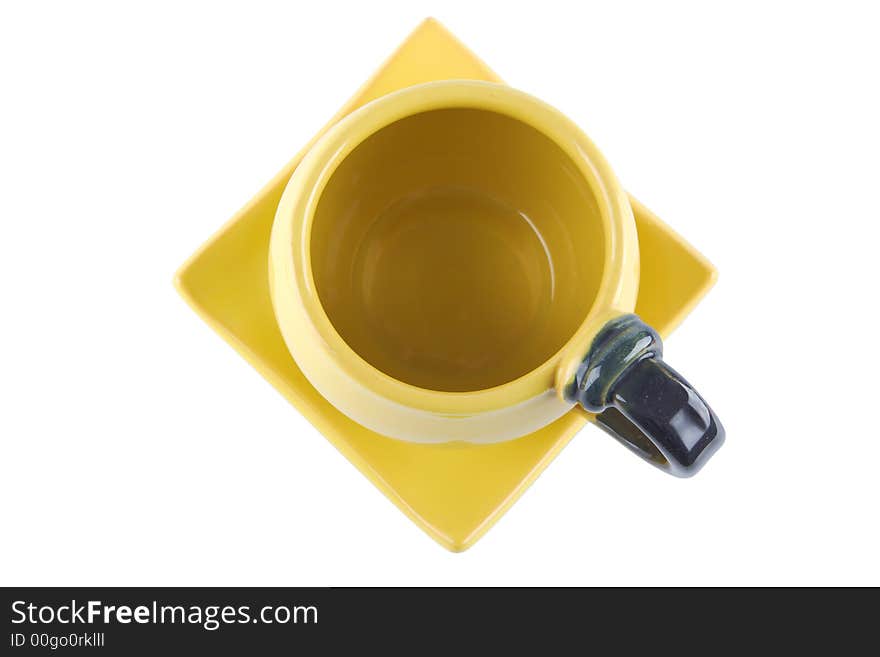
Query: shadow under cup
{"points": [[457, 249]]}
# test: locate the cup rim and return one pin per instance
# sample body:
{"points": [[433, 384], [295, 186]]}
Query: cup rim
{"points": [[294, 293]]}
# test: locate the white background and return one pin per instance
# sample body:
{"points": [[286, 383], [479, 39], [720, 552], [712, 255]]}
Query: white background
{"points": [[139, 448]]}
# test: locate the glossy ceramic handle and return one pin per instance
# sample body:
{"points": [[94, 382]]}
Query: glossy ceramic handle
{"points": [[642, 401]]}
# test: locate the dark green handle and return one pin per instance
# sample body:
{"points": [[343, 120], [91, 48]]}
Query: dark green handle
{"points": [[642, 401]]}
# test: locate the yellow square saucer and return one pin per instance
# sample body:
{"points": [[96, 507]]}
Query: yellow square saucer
{"points": [[455, 491]]}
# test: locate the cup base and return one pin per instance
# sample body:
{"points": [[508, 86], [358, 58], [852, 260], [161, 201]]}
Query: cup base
{"points": [[451, 282]]}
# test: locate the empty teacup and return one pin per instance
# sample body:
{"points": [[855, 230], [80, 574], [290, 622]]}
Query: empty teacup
{"points": [[457, 261]]}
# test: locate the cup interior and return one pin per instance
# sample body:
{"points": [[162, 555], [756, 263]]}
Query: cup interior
{"points": [[457, 249]]}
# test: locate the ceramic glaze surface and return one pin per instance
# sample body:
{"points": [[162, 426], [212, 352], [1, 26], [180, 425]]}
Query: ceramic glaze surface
{"points": [[442, 268], [643, 402], [453, 492]]}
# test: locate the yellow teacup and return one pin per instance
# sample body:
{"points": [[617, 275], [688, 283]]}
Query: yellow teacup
{"points": [[457, 261]]}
